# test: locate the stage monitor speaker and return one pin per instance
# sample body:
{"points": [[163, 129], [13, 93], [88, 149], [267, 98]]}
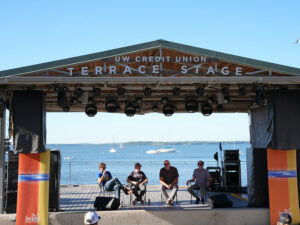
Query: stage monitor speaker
{"points": [[106, 203], [29, 121], [219, 201]]}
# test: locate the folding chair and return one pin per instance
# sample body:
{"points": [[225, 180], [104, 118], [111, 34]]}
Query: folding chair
{"points": [[130, 196]]}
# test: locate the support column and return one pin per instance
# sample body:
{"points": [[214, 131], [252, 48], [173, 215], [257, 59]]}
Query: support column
{"points": [[2, 159]]}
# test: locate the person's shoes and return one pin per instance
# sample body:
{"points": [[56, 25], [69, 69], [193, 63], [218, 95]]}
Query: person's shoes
{"points": [[127, 192], [168, 202], [171, 202], [197, 200], [134, 202]]}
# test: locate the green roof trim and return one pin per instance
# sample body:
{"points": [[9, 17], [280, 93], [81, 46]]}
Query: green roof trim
{"points": [[149, 45]]}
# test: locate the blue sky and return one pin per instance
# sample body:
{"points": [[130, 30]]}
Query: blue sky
{"points": [[39, 31]]}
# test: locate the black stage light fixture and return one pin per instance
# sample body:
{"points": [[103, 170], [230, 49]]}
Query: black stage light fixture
{"points": [[78, 92], [226, 100], [62, 100], [225, 90], [111, 105], [206, 109], [66, 108], [147, 91], [130, 109], [121, 91], [91, 108], [243, 91], [168, 110], [220, 108], [155, 108], [259, 95], [96, 91], [191, 104], [138, 101], [176, 91], [164, 101], [200, 90]]}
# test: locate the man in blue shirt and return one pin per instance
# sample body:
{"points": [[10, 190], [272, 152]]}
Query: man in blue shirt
{"points": [[109, 183]]}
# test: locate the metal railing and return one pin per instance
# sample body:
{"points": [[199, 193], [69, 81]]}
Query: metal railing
{"points": [[85, 172]]}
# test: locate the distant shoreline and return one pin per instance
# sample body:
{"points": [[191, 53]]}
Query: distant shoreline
{"points": [[156, 142]]}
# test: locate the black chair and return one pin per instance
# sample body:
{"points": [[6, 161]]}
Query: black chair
{"points": [[130, 196]]}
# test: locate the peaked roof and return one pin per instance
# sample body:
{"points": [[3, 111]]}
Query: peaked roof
{"points": [[150, 45]]}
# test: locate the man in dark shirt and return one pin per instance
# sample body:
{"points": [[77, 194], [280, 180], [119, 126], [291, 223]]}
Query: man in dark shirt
{"points": [[109, 183], [168, 177], [137, 179]]}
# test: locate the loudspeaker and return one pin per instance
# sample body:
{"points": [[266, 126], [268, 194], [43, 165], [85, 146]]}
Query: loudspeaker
{"points": [[54, 181], [29, 121], [106, 203], [219, 201], [257, 177]]}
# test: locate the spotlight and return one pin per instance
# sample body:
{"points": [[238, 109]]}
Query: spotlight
{"points": [[78, 92], [168, 110], [111, 105], [66, 108], [138, 101], [206, 109], [260, 95], [91, 108], [121, 91], [96, 91], [155, 108], [226, 100], [147, 91], [225, 91], [243, 91], [164, 101], [176, 91], [130, 109], [191, 104], [220, 108], [62, 100], [200, 90]]}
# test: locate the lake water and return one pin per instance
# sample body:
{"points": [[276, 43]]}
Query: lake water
{"points": [[82, 167]]}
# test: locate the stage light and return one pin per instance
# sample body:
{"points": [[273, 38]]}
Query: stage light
{"points": [[91, 108], [96, 91], [66, 108], [206, 109], [243, 91], [176, 91], [191, 104], [155, 108], [259, 95], [164, 101], [78, 92], [62, 100], [168, 110], [225, 91], [226, 100], [130, 109], [200, 90], [147, 91], [121, 91], [220, 108], [111, 105], [138, 101]]}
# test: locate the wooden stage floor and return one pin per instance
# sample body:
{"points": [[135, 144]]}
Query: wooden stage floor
{"points": [[81, 198]]}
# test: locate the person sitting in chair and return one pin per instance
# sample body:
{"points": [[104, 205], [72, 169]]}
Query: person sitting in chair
{"points": [[201, 176], [109, 183], [137, 179], [168, 177]]}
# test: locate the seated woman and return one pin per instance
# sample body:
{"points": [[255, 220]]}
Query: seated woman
{"points": [[109, 183], [137, 179]]}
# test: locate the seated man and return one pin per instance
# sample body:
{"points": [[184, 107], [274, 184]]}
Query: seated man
{"points": [[201, 176], [168, 176], [110, 184], [137, 179]]}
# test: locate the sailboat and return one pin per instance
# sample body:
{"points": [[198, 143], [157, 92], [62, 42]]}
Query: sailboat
{"points": [[113, 149]]}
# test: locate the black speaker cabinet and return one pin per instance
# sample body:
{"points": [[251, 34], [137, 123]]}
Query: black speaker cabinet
{"points": [[106, 203]]}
